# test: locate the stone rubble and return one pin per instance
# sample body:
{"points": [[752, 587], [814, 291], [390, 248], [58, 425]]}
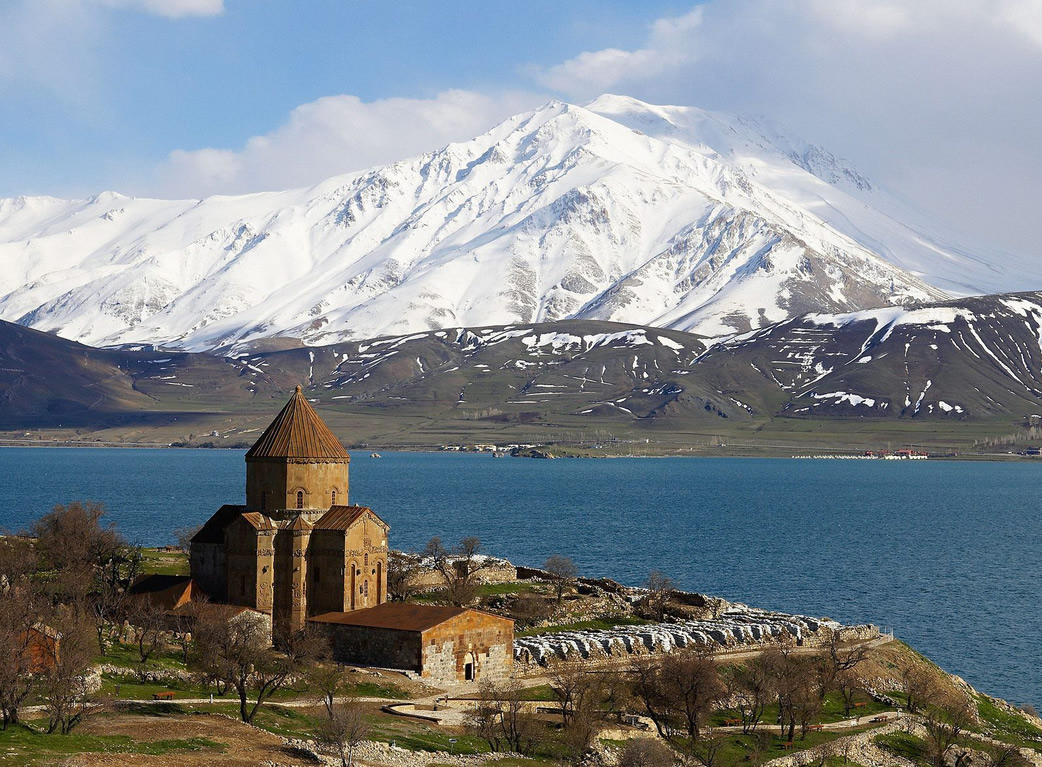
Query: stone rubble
{"points": [[734, 628]]}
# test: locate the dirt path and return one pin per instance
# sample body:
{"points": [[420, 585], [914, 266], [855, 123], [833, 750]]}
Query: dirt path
{"points": [[241, 746]]}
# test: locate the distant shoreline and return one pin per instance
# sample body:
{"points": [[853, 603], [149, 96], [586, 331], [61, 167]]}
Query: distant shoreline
{"points": [[969, 458]]}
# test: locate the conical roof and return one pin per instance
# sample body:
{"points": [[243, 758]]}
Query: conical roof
{"points": [[298, 433]]}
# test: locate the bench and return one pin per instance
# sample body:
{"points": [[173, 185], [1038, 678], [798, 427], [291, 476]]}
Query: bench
{"points": [[786, 746], [880, 718], [860, 704], [815, 728], [732, 722], [163, 696]]}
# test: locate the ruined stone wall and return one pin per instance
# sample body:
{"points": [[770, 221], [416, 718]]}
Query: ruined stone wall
{"points": [[734, 629], [365, 646]]}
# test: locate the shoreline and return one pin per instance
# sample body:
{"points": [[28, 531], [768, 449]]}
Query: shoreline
{"points": [[772, 455]]}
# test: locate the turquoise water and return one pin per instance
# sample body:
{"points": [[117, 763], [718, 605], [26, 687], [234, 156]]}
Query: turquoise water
{"points": [[946, 553]]}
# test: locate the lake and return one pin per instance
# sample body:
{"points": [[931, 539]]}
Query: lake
{"points": [[945, 553]]}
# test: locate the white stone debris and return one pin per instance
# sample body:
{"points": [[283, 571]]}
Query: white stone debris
{"points": [[734, 628]]}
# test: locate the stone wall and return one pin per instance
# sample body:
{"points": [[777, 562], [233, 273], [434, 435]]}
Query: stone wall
{"points": [[367, 646], [473, 637], [209, 569]]}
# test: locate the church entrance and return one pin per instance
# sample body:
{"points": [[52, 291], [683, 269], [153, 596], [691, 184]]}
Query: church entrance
{"points": [[469, 667]]}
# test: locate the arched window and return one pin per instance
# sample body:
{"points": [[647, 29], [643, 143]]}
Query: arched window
{"points": [[333, 496], [300, 499], [264, 500], [366, 563]]}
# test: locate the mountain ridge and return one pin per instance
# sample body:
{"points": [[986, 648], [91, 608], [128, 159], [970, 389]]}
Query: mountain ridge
{"points": [[562, 212]]}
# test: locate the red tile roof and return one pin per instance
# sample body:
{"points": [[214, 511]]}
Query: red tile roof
{"points": [[298, 433], [400, 616], [342, 517]]}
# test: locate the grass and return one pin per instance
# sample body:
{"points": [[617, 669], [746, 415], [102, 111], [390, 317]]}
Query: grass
{"points": [[1008, 727], [21, 746], [596, 624], [155, 562], [276, 719], [377, 690], [904, 745], [126, 655]]}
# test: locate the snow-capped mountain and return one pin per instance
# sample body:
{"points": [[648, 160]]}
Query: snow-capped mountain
{"points": [[663, 216]]}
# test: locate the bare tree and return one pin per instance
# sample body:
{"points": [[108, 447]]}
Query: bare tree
{"points": [[679, 690], [147, 619], [946, 717], [529, 610], [66, 694], [183, 536], [328, 679], [707, 751], [660, 592], [646, 752], [848, 684], [458, 567], [837, 660], [752, 687], [578, 688], [238, 653], [794, 681], [562, 572], [344, 729], [1007, 756], [402, 575], [17, 616], [502, 718], [918, 685]]}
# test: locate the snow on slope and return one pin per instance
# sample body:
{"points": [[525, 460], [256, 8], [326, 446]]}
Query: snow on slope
{"points": [[691, 222], [818, 182]]}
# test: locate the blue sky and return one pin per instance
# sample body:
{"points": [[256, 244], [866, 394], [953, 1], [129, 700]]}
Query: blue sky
{"points": [[939, 99]]}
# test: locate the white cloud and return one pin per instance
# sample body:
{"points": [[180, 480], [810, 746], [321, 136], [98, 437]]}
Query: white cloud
{"points": [[173, 9], [938, 98], [335, 135], [594, 72]]}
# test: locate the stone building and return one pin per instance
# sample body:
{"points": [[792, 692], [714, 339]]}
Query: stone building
{"points": [[440, 644], [296, 548]]}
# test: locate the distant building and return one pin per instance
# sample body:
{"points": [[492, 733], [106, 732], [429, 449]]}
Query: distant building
{"points": [[440, 644], [295, 548]]}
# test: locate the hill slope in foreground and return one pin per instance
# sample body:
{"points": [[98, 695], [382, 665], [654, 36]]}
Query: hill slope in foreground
{"points": [[944, 374]]}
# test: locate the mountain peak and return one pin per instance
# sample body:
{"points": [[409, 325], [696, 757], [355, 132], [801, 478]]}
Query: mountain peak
{"points": [[619, 210]]}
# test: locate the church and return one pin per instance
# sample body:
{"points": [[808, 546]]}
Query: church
{"points": [[299, 552], [296, 548]]}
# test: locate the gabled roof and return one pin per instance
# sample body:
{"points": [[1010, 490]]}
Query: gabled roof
{"points": [[258, 521], [166, 591], [401, 616], [213, 530], [297, 433], [298, 523], [342, 517]]}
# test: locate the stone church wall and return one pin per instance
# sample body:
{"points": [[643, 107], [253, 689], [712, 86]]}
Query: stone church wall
{"points": [[366, 646], [484, 640]]}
